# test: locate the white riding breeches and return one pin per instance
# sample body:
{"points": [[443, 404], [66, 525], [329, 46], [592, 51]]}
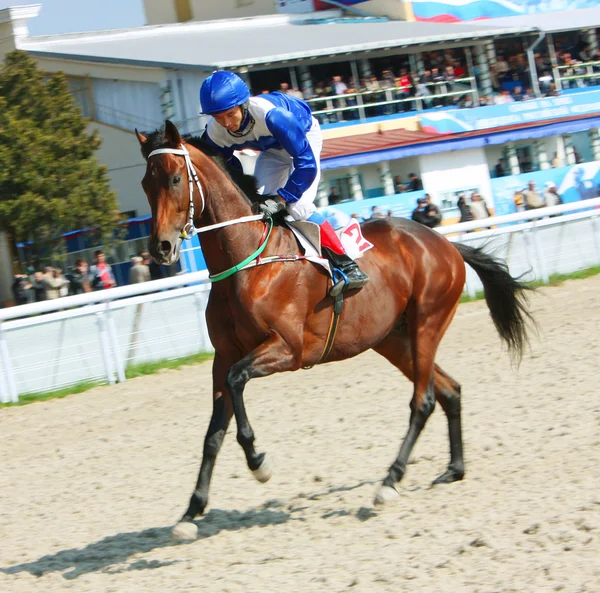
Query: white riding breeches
{"points": [[274, 167]]}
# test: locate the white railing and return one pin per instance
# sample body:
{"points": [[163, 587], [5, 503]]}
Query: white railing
{"points": [[96, 336], [536, 243], [580, 73], [365, 100]]}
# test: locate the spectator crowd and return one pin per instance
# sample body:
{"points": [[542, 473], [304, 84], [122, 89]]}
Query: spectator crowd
{"points": [[52, 283], [444, 80]]}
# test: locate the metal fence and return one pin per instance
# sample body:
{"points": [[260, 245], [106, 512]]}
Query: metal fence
{"points": [[95, 337], [385, 101]]}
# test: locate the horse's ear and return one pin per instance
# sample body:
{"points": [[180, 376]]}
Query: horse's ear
{"points": [[141, 138], [172, 133]]}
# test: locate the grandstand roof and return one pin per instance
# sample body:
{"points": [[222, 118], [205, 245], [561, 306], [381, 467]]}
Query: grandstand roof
{"points": [[256, 41]]}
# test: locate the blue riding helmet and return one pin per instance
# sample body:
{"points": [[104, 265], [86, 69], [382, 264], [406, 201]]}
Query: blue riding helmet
{"points": [[221, 91]]}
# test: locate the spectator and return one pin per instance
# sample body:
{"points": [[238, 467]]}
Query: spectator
{"points": [[79, 278], [296, 92], [156, 272], [528, 96], [532, 197], [556, 162], [551, 195], [414, 183], [465, 210], [502, 66], [500, 168], [339, 86], [426, 213], [139, 271], [552, 92], [55, 281], [526, 164], [333, 197], [101, 273], [433, 211], [503, 98], [20, 288], [519, 200], [399, 187], [39, 286], [63, 289], [517, 93], [376, 213], [478, 207]]}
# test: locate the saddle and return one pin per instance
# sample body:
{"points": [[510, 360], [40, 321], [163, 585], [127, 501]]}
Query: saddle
{"points": [[308, 236]]}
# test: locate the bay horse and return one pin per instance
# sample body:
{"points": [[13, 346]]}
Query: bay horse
{"points": [[274, 318]]}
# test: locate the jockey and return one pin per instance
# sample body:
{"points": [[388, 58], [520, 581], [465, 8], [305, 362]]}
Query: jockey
{"points": [[288, 169]]}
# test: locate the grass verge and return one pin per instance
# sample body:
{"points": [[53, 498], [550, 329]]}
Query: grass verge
{"points": [[136, 370]]}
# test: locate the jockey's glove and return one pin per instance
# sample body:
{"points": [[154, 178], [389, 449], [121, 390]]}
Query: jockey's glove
{"points": [[269, 206]]}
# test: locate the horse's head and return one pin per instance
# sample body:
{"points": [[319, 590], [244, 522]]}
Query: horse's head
{"points": [[167, 189]]}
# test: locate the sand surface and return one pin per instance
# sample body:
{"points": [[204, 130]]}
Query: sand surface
{"points": [[91, 485]]}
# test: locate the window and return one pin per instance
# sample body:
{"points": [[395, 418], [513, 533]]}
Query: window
{"points": [[525, 160], [448, 199]]}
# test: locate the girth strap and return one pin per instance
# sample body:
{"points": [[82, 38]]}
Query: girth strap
{"points": [[338, 305]]}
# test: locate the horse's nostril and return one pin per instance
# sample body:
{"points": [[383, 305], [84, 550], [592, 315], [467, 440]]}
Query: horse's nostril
{"points": [[165, 247]]}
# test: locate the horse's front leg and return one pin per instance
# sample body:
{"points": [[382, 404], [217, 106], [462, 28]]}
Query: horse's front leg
{"points": [[273, 356], [221, 416]]}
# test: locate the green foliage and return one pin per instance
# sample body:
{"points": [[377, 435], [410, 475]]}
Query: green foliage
{"points": [[50, 181]]}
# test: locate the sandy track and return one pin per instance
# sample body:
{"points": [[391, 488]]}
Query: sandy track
{"points": [[91, 485]]}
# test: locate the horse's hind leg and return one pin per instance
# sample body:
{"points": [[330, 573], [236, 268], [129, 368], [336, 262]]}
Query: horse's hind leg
{"points": [[402, 347], [447, 392], [396, 348]]}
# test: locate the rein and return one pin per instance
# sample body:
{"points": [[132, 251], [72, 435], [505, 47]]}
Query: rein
{"points": [[189, 230]]}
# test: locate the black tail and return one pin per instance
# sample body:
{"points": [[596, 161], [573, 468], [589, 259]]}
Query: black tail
{"points": [[506, 298]]}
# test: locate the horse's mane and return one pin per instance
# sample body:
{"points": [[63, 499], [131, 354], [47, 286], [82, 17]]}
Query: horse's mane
{"points": [[246, 183]]}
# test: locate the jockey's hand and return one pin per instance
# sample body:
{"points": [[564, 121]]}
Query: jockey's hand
{"points": [[269, 206]]}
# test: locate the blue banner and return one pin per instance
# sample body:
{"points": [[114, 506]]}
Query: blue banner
{"points": [[455, 121], [398, 205], [576, 182]]}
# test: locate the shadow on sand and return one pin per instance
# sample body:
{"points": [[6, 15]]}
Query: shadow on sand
{"points": [[111, 554]]}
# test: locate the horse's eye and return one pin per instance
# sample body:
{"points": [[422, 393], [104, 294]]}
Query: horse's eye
{"points": [[176, 180]]}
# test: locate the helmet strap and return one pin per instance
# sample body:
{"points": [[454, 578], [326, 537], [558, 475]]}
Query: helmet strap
{"points": [[247, 121]]}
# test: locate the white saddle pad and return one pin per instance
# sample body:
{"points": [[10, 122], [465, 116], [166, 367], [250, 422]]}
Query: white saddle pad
{"points": [[309, 237]]}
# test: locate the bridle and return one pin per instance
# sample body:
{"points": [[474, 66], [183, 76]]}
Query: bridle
{"points": [[189, 230]]}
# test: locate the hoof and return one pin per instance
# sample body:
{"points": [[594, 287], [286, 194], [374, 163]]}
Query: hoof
{"points": [[449, 476], [385, 495], [264, 472], [185, 531]]}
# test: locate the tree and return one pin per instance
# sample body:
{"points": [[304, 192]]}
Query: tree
{"points": [[50, 180]]}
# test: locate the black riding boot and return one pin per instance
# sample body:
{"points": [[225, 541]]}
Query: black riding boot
{"points": [[355, 276]]}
